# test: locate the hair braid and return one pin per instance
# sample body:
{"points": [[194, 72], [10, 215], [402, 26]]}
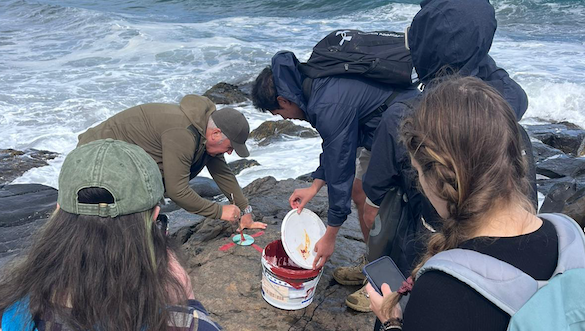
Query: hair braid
{"points": [[465, 138]]}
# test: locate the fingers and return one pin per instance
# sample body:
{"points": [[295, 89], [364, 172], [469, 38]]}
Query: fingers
{"points": [[321, 262], [317, 257], [370, 290], [258, 225], [298, 199], [317, 261], [301, 206], [293, 200], [230, 213], [386, 290], [254, 225]]}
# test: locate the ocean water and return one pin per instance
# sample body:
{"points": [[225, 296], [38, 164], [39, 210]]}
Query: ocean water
{"points": [[66, 65]]}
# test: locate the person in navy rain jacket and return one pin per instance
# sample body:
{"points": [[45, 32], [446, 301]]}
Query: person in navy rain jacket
{"points": [[336, 106]]}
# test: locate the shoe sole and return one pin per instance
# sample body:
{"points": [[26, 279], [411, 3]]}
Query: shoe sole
{"points": [[357, 308], [349, 282]]}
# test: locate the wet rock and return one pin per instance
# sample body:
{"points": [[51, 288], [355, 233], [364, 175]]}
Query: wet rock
{"points": [[14, 163], [554, 201], [562, 166], [25, 208], [22, 203], [564, 136], [270, 131], [239, 165], [246, 88], [306, 177], [575, 207], [567, 198], [205, 187], [183, 224], [568, 125], [224, 93], [545, 185], [269, 197], [542, 151]]}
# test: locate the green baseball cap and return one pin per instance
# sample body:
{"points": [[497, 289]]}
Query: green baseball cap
{"points": [[235, 126], [125, 170]]}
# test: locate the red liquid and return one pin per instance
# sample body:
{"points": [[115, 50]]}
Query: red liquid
{"points": [[283, 266]]}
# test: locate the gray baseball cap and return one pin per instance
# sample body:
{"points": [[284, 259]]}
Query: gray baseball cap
{"points": [[235, 126], [125, 170]]}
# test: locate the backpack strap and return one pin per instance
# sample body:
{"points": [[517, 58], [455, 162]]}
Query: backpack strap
{"points": [[503, 284], [381, 109], [571, 242]]}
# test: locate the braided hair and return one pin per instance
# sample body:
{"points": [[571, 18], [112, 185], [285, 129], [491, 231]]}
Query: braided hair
{"points": [[465, 138]]}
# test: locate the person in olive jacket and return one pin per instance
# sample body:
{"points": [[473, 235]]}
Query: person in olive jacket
{"points": [[182, 139]]}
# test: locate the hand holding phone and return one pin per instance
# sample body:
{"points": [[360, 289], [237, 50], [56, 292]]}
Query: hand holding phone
{"points": [[384, 270]]}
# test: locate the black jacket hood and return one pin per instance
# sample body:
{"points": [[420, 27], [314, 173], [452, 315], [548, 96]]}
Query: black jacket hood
{"points": [[287, 79], [457, 33]]}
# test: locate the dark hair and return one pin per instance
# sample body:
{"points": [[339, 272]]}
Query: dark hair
{"points": [[96, 273], [264, 91], [465, 138]]}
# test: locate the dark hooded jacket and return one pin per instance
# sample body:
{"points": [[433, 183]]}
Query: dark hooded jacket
{"points": [[454, 33], [459, 33], [335, 107]]}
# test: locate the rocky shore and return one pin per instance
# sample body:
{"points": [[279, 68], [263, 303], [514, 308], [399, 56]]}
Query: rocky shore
{"points": [[228, 281]]}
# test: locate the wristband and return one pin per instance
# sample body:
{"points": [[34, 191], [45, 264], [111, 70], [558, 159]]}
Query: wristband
{"points": [[248, 210], [393, 324]]}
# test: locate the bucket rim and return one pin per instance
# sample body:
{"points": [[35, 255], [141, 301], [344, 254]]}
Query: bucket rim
{"points": [[288, 273]]}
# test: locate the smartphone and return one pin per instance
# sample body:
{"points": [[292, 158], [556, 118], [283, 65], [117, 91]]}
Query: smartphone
{"points": [[384, 270]]}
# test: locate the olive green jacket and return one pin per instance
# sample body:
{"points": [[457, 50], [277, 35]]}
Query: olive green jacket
{"points": [[174, 135]]}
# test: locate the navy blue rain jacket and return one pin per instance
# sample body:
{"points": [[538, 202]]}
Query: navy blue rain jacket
{"points": [[457, 33], [335, 107]]}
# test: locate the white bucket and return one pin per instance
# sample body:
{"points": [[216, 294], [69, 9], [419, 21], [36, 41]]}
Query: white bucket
{"points": [[284, 284]]}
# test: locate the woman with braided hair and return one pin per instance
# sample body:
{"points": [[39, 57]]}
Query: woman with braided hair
{"points": [[464, 142]]}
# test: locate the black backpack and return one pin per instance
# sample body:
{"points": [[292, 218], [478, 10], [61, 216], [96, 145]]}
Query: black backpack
{"points": [[377, 55]]}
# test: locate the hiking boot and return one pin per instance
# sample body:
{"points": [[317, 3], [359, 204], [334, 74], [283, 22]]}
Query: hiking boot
{"points": [[359, 301], [350, 275]]}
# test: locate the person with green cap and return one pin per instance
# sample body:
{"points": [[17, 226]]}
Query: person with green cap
{"points": [[101, 262], [182, 139]]}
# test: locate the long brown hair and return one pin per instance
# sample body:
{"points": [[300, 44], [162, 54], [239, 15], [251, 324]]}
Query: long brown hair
{"points": [[96, 273], [465, 138]]}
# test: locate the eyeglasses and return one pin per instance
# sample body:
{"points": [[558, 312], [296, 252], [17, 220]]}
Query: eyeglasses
{"points": [[162, 223], [406, 37]]}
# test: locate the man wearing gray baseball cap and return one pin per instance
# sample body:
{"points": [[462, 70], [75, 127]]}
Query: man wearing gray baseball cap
{"points": [[183, 139]]}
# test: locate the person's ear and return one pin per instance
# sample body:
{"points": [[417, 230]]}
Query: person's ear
{"points": [[215, 134], [282, 102], [155, 213]]}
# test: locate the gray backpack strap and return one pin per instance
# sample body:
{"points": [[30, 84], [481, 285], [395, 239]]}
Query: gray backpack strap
{"points": [[503, 284], [571, 242]]}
